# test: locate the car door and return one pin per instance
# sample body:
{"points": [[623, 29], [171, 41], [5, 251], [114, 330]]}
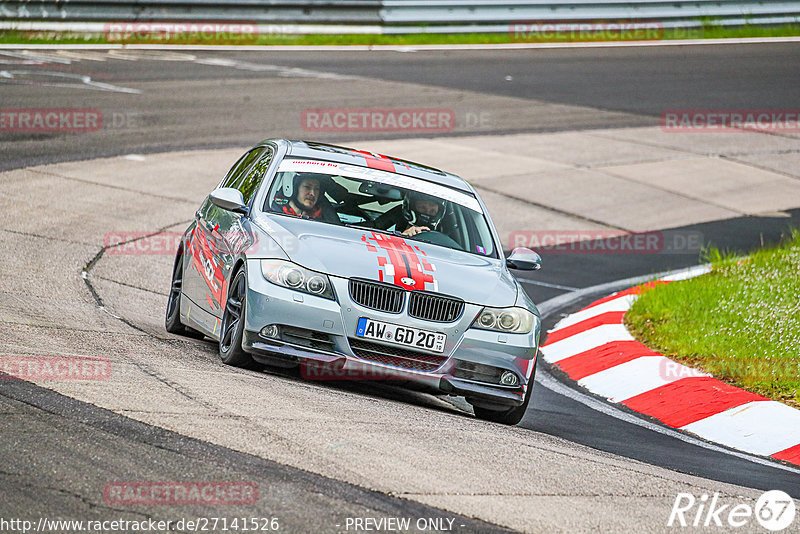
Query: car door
{"points": [[204, 278], [232, 232]]}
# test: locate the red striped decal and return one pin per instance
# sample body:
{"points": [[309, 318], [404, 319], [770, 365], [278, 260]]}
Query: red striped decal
{"points": [[792, 454], [401, 264], [425, 263], [223, 294], [603, 357], [203, 259], [688, 400], [370, 247], [377, 161], [614, 317]]}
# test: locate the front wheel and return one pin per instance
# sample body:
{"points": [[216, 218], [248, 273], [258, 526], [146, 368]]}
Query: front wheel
{"points": [[232, 331], [509, 416]]}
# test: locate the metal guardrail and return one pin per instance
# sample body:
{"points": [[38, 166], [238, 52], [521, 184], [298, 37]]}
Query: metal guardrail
{"points": [[483, 12], [404, 16], [259, 11]]}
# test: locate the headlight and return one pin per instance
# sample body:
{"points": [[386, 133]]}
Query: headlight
{"points": [[511, 320], [288, 274]]}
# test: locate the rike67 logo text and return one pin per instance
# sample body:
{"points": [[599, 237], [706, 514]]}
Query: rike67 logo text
{"points": [[774, 510]]}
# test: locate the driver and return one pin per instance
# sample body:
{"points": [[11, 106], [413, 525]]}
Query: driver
{"points": [[418, 213]]}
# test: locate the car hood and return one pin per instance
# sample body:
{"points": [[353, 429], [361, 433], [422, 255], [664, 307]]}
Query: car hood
{"points": [[407, 263]]}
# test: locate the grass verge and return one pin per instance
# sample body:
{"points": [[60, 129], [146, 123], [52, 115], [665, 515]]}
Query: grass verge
{"points": [[706, 31], [740, 323]]}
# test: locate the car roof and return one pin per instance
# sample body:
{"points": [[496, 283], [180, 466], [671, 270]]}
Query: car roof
{"points": [[341, 154]]}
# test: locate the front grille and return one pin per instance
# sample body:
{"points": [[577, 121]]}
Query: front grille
{"points": [[434, 307], [397, 356], [381, 297]]}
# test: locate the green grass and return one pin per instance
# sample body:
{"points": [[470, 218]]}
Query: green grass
{"points": [[709, 30], [740, 323]]}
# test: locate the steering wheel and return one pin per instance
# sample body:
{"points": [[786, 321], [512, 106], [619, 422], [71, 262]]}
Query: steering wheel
{"points": [[437, 238]]}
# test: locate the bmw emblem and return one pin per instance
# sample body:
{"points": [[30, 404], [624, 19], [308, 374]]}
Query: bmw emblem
{"points": [[407, 281]]}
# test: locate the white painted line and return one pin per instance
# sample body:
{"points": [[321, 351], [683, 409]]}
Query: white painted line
{"points": [[280, 70], [546, 380], [760, 427], [110, 87], [36, 58], [691, 272], [635, 377], [84, 55], [47, 78], [584, 341], [406, 48], [546, 284], [622, 303]]}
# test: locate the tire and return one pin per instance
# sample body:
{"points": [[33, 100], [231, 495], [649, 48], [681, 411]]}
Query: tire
{"points": [[510, 416], [232, 330], [172, 321]]}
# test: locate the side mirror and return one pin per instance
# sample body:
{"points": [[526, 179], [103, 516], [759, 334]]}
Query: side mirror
{"points": [[524, 259], [229, 199]]}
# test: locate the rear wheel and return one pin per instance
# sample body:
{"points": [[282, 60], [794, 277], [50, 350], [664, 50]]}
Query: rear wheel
{"points": [[509, 416], [232, 331], [172, 321]]}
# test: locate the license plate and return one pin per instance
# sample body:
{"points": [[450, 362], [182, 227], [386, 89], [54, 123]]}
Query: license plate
{"points": [[401, 335]]}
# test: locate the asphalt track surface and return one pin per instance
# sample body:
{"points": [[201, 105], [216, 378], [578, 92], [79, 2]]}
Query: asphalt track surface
{"points": [[211, 101], [215, 100]]}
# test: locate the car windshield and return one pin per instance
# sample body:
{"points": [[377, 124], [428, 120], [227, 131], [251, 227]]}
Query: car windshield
{"points": [[342, 194]]}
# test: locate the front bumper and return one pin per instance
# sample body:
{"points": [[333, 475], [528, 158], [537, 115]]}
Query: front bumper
{"points": [[332, 357]]}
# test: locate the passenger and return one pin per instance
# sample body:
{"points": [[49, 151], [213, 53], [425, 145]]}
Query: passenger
{"points": [[418, 213]]}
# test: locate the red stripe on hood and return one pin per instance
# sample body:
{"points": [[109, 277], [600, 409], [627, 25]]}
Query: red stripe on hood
{"points": [[402, 257]]}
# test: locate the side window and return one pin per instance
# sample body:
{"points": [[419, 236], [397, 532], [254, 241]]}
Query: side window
{"points": [[250, 181], [209, 211], [235, 174]]}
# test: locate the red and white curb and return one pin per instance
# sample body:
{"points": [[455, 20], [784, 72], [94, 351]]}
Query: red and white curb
{"points": [[593, 347]]}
